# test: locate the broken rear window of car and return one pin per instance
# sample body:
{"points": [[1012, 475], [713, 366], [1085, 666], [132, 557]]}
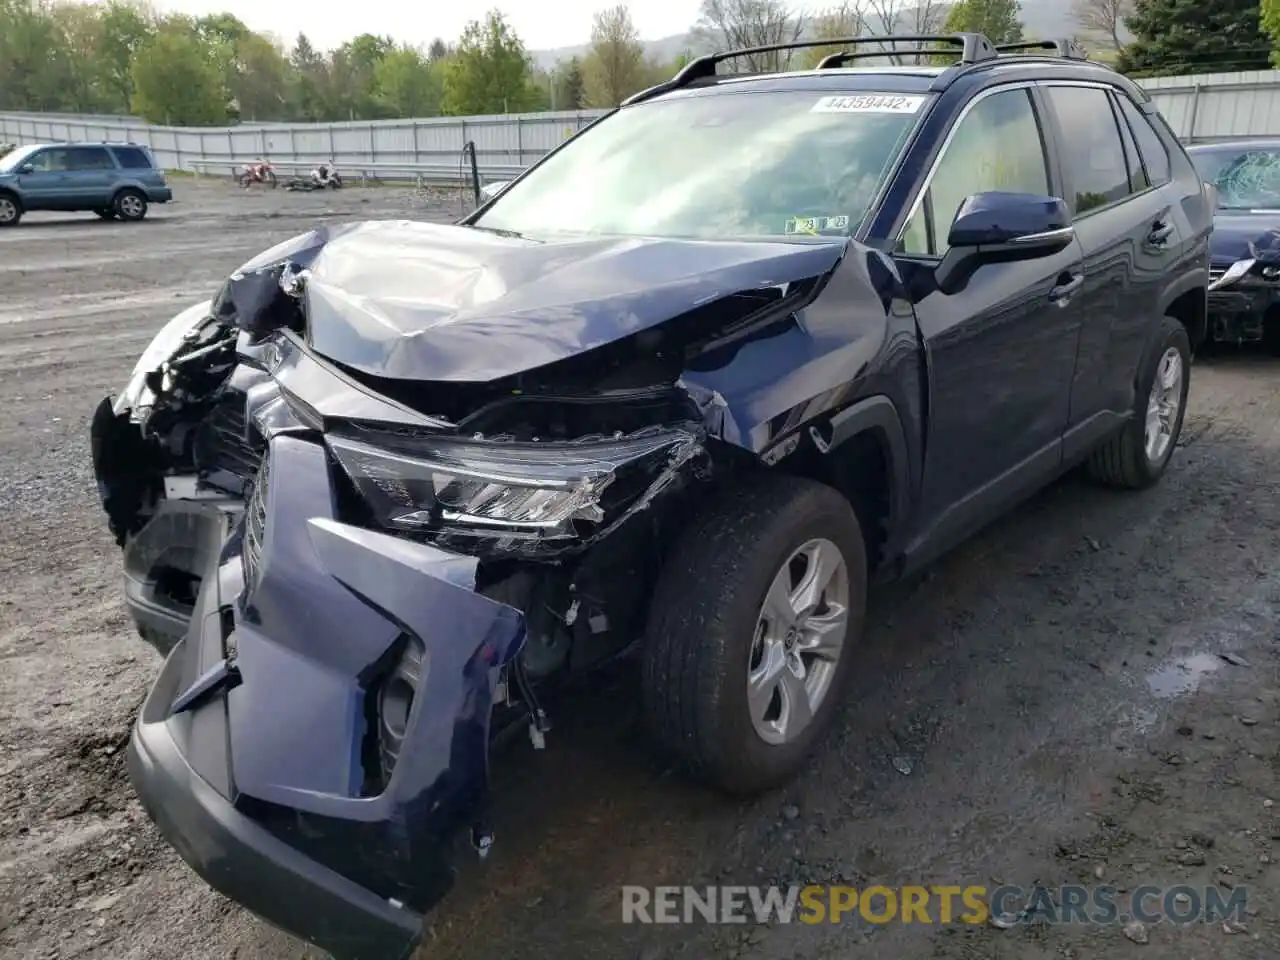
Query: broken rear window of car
{"points": [[724, 166]]}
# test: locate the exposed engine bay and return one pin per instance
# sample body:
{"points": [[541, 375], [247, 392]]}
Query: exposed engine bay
{"points": [[565, 481]]}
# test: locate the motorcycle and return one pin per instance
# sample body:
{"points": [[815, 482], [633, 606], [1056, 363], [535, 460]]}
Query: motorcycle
{"points": [[260, 172], [321, 178]]}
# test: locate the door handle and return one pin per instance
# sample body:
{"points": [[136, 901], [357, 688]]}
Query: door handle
{"points": [[1160, 233], [1061, 293]]}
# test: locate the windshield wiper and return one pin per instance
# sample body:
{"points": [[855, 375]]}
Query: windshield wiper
{"points": [[498, 231]]}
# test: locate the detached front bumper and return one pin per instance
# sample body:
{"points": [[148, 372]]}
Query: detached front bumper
{"points": [[245, 862], [258, 751]]}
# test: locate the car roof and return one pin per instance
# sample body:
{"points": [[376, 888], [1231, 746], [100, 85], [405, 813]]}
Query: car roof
{"points": [[88, 143], [979, 64]]}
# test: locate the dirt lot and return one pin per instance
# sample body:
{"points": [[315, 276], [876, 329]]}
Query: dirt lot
{"points": [[1050, 704]]}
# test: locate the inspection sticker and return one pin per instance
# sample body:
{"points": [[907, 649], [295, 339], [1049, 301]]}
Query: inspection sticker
{"points": [[868, 103], [815, 224]]}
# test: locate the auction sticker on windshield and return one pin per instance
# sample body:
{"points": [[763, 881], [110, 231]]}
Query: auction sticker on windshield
{"points": [[868, 103]]}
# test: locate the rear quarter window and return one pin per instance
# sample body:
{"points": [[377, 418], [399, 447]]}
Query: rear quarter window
{"points": [[132, 158], [1154, 155]]}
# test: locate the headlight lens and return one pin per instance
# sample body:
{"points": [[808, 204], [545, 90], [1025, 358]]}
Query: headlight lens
{"points": [[163, 345], [523, 490]]}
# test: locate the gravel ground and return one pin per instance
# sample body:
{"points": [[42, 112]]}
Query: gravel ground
{"points": [[1050, 703]]}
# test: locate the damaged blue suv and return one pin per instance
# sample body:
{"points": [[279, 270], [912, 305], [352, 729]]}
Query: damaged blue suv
{"points": [[682, 390]]}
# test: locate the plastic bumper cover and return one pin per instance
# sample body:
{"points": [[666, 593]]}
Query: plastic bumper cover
{"points": [[241, 860]]}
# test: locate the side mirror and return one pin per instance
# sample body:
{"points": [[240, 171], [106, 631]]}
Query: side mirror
{"points": [[26, 168], [999, 227]]}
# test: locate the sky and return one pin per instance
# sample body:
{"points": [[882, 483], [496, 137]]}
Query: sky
{"points": [[541, 24]]}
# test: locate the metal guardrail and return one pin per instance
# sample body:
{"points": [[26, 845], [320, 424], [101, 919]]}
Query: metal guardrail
{"points": [[423, 174]]}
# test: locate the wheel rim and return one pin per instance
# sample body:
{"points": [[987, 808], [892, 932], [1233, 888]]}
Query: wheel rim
{"points": [[130, 205], [1163, 405], [7, 210], [799, 638]]}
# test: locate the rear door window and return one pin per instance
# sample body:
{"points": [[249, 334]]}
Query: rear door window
{"points": [[89, 158], [132, 158], [1154, 155]]}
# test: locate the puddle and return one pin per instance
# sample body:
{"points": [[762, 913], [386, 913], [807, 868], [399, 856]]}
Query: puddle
{"points": [[1182, 676]]}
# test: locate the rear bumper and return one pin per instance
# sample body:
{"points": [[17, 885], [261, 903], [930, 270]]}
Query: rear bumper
{"points": [[243, 861], [160, 194]]}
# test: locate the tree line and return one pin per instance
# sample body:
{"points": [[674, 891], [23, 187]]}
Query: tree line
{"points": [[123, 56]]}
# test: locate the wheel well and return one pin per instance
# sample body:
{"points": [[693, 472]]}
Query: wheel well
{"points": [[861, 469], [6, 192], [1191, 309]]}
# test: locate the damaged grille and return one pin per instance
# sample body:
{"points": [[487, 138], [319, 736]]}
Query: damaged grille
{"points": [[223, 445], [255, 524]]}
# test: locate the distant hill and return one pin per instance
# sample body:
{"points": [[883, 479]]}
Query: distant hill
{"points": [[1041, 19]]}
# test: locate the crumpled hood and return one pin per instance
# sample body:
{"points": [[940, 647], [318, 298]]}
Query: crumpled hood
{"points": [[1232, 233], [410, 300]]}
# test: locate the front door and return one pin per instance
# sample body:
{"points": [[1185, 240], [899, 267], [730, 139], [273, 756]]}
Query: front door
{"points": [[1000, 353], [45, 186]]}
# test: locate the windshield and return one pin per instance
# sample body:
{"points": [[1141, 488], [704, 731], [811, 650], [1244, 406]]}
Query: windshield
{"points": [[741, 165], [13, 159], [1246, 179]]}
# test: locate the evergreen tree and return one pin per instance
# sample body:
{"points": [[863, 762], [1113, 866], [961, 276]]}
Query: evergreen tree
{"points": [[1194, 36]]}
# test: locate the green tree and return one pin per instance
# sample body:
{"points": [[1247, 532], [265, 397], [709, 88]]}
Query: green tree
{"points": [[614, 67], [36, 67], [1194, 36], [489, 71], [571, 87], [408, 84], [997, 20], [124, 29], [308, 81], [176, 80]]}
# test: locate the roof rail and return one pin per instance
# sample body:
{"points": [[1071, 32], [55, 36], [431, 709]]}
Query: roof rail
{"points": [[1063, 47], [974, 48]]}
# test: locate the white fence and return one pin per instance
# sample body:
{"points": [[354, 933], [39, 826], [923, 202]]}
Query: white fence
{"points": [[501, 141], [1201, 107]]}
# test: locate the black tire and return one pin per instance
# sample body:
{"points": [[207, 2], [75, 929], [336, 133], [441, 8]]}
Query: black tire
{"points": [[106, 214], [130, 205], [702, 623], [10, 210], [1121, 460]]}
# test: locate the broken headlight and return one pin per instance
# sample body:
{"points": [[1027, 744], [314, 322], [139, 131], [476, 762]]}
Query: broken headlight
{"points": [[538, 490], [137, 395]]}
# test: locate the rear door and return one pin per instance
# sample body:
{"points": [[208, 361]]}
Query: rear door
{"points": [[1131, 237], [1000, 353], [91, 176]]}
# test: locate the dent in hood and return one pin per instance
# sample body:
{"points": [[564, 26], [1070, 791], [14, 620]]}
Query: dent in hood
{"points": [[1234, 232], [409, 300]]}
